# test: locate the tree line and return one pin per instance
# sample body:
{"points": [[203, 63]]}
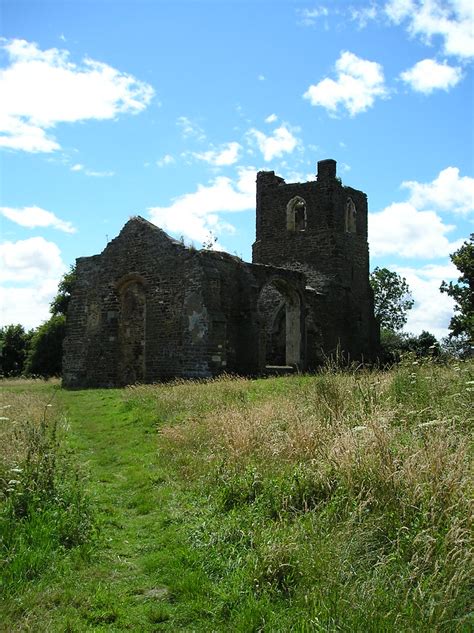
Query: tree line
{"points": [[38, 352], [393, 300]]}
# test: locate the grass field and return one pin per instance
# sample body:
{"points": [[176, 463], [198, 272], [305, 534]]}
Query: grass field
{"points": [[335, 502]]}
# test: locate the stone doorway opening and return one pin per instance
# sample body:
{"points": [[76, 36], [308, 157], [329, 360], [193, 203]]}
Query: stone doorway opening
{"points": [[131, 332], [279, 308]]}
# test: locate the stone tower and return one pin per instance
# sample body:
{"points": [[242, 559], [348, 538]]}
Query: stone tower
{"points": [[319, 228]]}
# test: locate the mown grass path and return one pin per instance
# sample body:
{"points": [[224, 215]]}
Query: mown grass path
{"points": [[140, 576], [143, 577]]}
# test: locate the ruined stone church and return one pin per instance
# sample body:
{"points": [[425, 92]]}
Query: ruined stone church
{"points": [[148, 308]]}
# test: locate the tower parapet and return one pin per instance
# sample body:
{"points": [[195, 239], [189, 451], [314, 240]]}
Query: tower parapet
{"points": [[327, 169]]}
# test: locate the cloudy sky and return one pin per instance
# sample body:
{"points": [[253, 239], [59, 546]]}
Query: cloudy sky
{"points": [[167, 109]]}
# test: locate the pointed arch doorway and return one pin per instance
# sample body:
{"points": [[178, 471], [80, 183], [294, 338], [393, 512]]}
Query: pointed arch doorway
{"points": [[131, 331], [280, 311]]}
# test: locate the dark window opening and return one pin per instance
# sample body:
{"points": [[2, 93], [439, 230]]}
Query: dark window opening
{"points": [[296, 215]]}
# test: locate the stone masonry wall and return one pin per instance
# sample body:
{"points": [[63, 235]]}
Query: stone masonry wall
{"points": [[150, 309], [141, 254]]}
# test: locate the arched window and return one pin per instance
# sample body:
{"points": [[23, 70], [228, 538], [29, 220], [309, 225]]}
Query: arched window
{"points": [[350, 216], [296, 214]]}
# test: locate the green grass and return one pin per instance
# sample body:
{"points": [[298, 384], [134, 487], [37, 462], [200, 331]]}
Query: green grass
{"points": [[338, 502], [44, 512]]}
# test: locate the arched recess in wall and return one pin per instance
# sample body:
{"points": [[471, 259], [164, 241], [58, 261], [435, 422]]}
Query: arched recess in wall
{"points": [[296, 214], [350, 216], [279, 308], [131, 292]]}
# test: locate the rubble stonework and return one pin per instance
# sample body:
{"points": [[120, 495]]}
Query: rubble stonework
{"points": [[149, 308]]}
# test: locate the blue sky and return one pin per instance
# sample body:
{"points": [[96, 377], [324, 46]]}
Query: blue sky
{"points": [[167, 109]]}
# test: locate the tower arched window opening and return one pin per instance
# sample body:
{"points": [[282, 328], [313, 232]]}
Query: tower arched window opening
{"points": [[296, 214]]}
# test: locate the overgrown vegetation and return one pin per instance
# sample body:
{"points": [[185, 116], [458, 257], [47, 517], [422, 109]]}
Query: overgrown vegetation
{"points": [[44, 512], [397, 345], [335, 502]]}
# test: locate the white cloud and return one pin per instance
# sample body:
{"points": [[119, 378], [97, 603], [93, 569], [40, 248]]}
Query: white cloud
{"points": [[261, 77], [194, 215], [89, 172], [32, 217], [400, 229], [363, 15], [271, 118], [404, 229], [167, 159], [452, 20], [414, 228], [99, 174], [294, 176], [397, 10], [359, 83], [18, 135], [30, 271], [432, 310], [308, 17], [282, 141], [227, 154], [190, 129], [43, 88], [358, 13], [428, 75], [28, 305], [31, 260], [447, 192]]}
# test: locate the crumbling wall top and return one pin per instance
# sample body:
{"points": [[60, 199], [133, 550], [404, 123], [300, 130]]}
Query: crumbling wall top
{"points": [[268, 178]]}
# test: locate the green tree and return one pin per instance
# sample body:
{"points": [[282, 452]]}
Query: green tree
{"points": [[424, 345], [392, 298], [395, 344], [392, 346], [46, 349], [456, 346], [60, 303], [14, 342], [462, 323]]}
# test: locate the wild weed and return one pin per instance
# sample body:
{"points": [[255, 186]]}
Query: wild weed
{"points": [[43, 507], [370, 472]]}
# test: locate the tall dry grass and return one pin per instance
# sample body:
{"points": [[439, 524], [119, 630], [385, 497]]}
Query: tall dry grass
{"points": [[23, 409], [380, 462]]}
